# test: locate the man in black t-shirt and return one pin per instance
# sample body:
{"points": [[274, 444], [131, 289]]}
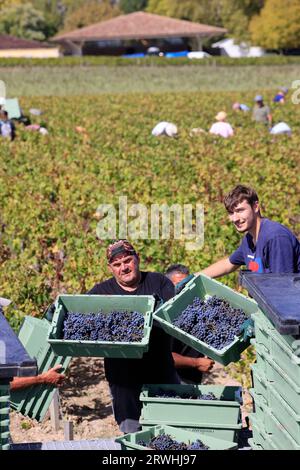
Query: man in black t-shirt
{"points": [[126, 376]]}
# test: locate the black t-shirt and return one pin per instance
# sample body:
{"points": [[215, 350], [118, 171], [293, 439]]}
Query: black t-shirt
{"points": [[157, 365]]}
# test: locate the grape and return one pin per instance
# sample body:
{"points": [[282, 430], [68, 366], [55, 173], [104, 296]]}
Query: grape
{"points": [[115, 326], [214, 321], [184, 395], [165, 442]]}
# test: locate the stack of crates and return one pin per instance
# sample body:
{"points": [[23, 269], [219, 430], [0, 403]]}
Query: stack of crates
{"points": [[4, 416], [219, 418], [276, 374], [276, 388]]}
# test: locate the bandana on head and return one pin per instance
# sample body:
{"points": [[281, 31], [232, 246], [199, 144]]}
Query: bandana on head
{"points": [[119, 247]]}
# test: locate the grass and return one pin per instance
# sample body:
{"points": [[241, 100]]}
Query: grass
{"points": [[87, 80]]}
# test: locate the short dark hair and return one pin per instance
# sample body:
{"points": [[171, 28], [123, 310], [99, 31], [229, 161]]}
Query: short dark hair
{"points": [[238, 194], [176, 268]]}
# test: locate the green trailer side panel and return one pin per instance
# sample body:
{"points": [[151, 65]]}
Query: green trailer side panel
{"points": [[4, 417], [35, 401]]}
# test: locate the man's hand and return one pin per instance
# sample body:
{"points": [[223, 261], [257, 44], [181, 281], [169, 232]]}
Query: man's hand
{"points": [[52, 376], [204, 364]]}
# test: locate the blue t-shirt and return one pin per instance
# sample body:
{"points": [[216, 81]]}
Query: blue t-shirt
{"points": [[277, 98], [277, 250]]}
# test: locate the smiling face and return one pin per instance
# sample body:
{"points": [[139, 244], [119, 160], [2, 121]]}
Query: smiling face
{"points": [[244, 216], [125, 269]]}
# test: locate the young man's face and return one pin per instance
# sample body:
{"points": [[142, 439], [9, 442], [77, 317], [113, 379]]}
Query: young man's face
{"points": [[125, 269], [244, 216]]}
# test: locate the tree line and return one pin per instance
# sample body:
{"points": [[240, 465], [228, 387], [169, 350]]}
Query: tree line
{"points": [[272, 24]]}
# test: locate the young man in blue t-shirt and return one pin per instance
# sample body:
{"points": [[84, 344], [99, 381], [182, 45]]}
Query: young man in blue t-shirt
{"points": [[267, 247]]}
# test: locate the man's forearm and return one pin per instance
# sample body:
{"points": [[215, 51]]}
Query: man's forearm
{"points": [[220, 268], [24, 382], [183, 361]]}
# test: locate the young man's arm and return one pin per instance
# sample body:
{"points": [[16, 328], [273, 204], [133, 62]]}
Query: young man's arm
{"points": [[220, 268], [51, 377]]}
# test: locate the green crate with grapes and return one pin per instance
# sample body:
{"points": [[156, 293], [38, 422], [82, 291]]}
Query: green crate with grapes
{"points": [[116, 326], [163, 438], [209, 317]]}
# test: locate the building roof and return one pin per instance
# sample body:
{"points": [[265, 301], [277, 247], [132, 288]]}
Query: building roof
{"points": [[140, 25], [12, 42]]}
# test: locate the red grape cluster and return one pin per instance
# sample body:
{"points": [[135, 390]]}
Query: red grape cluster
{"points": [[165, 442], [115, 326], [213, 321]]}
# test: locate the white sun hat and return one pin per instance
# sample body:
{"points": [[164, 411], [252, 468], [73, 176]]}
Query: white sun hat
{"points": [[171, 129], [4, 302]]}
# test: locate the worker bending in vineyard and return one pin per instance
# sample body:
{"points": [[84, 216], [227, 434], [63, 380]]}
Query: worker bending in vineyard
{"points": [[127, 376], [267, 247]]}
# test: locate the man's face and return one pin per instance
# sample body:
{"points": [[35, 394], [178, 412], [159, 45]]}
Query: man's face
{"points": [[177, 277], [244, 216], [125, 269]]}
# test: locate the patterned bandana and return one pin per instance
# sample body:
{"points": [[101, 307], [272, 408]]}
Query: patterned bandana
{"points": [[119, 247]]}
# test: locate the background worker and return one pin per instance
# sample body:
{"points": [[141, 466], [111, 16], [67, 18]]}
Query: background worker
{"points": [[127, 376], [261, 113], [221, 127], [189, 363], [7, 127], [267, 247], [280, 95]]}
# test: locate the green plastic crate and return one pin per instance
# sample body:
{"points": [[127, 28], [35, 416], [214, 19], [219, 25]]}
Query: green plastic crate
{"points": [[262, 330], [254, 446], [280, 437], [260, 383], [204, 287], [129, 441], [284, 356], [185, 412], [280, 347], [34, 401], [228, 432], [261, 407], [261, 357], [283, 384], [260, 437], [4, 417], [285, 415], [144, 304]]}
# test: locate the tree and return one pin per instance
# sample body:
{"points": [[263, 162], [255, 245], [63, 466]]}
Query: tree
{"points": [[129, 6], [234, 15], [205, 11], [8, 3], [278, 25], [54, 12], [23, 21], [89, 13]]}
